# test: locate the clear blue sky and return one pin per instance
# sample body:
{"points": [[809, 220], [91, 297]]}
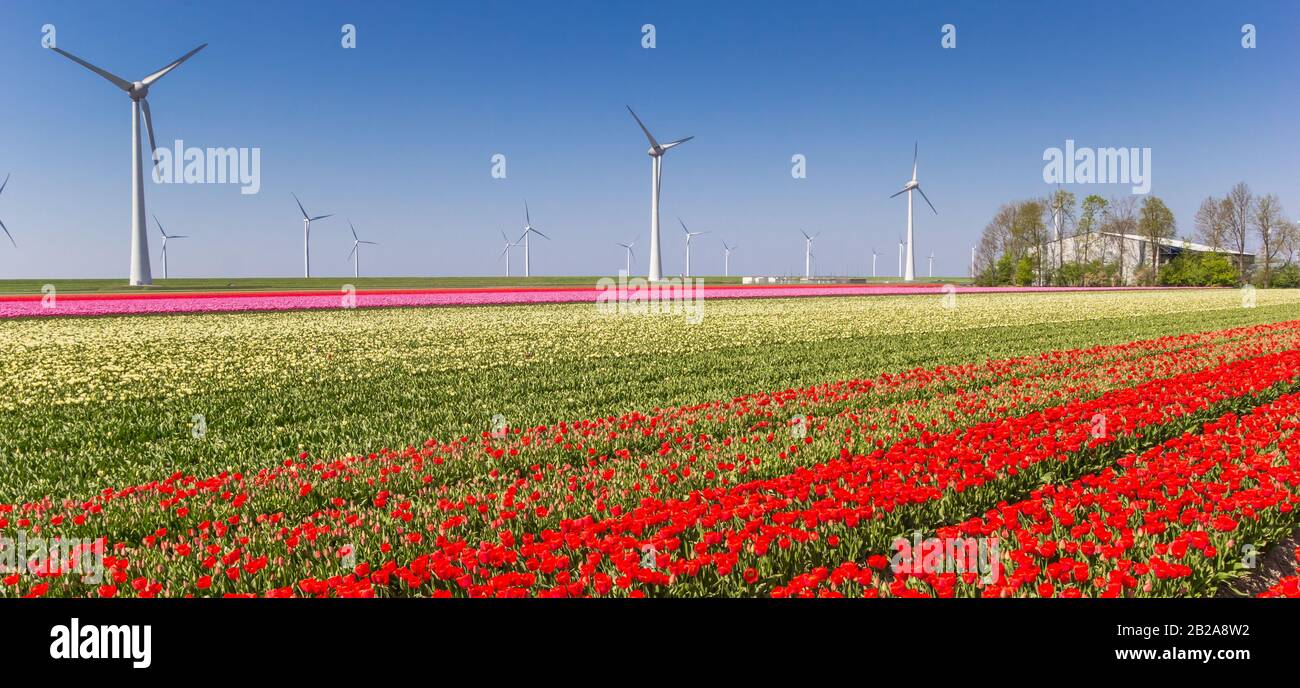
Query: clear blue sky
{"points": [[397, 134]]}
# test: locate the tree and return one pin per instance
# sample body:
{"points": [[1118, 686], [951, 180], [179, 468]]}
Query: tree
{"points": [[1090, 217], [1212, 222], [1029, 231], [1121, 219], [1237, 207], [1060, 206], [1155, 225], [1269, 225]]}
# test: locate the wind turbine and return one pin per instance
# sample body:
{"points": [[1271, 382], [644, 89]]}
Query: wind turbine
{"points": [[807, 252], [726, 259], [900, 257], [139, 92], [355, 255], [2, 224], [689, 236], [874, 255], [910, 274], [306, 235], [656, 153], [630, 254], [165, 237], [506, 251], [931, 265], [529, 229]]}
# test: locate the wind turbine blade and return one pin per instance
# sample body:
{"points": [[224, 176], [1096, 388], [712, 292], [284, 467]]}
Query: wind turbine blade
{"points": [[2, 186], [528, 218], [504, 237], [163, 72], [160, 227], [372, 243], [650, 137], [11, 237], [900, 192], [541, 235], [676, 143], [915, 150], [179, 236], [502, 254], [304, 210], [320, 217], [927, 200], [148, 124], [117, 80], [354, 250], [354, 231], [684, 229], [805, 234]]}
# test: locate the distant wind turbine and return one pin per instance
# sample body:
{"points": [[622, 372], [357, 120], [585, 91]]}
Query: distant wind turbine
{"points": [[139, 92], [529, 229], [689, 235], [900, 257], [910, 273], [630, 254], [656, 153], [726, 259], [931, 265], [874, 255], [165, 237], [355, 255], [2, 224], [506, 251], [306, 235], [807, 252]]}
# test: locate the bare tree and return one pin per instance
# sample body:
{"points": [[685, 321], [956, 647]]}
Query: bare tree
{"points": [[1122, 219], [1238, 208], [1156, 224], [1269, 224], [1212, 222]]}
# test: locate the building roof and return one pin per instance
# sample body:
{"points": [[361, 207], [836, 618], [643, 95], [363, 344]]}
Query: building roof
{"points": [[1180, 243]]}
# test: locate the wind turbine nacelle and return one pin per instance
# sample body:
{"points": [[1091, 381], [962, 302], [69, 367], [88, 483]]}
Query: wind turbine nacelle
{"points": [[139, 90], [911, 185]]}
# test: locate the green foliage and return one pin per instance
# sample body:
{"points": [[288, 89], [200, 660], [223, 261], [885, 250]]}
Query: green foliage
{"points": [[1024, 272], [1198, 270]]}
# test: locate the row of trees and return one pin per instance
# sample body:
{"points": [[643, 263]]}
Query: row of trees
{"points": [[1023, 243]]}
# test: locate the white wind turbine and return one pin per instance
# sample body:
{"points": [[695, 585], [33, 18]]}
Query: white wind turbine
{"points": [[2, 224], [506, 251], [910, 186], [931, 265], [689, 235], [726, 259], [529, 229], [656, 153], [306, 235], [807, 252], [900, 257], [355, 255], [630, 254], [874, 255], [139, 92], [165, 237]]}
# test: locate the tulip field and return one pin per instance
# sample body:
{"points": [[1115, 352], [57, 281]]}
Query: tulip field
{"points": [[1108, 444]]}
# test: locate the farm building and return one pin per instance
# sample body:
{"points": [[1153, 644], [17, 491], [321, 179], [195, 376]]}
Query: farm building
{"points": [[1130, 251]]}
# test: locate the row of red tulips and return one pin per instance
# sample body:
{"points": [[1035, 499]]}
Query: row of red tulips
{"points": [[1177, 519]]}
